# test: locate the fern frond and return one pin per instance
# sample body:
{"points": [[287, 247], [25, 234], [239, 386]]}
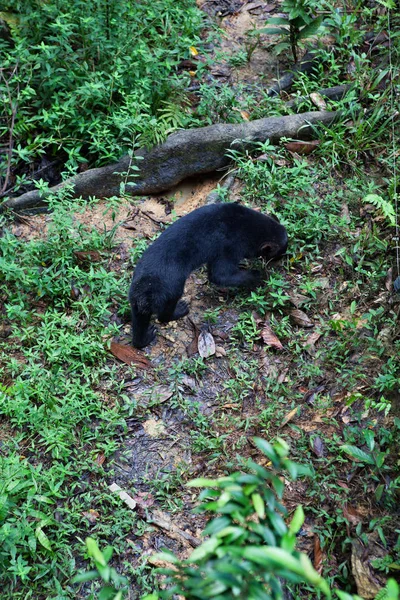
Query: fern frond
{"points": [[384, 206]]}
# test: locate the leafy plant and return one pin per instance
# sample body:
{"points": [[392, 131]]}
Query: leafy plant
{"points": [[108, 575], [383, 205], [298, 25], [243, 555]]}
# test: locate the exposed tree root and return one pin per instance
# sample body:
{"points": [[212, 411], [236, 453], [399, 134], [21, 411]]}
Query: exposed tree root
{"points": [[183, 154]]}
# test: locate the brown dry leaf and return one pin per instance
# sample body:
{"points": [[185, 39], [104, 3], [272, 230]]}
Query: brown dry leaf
{"points": [[282, 377], [368, 584], [130, 355], [206, 344], [389, 280], [302, 147], [317, 445], [245, 115], [219, 351], [311, 340], [257, 318], [300, 318], [318, 554], [290, 416], [154, 428], [100, 458], [270, 339], [351, 514], [144, 499], [343, 485], [318, 100], [91, 515], [74, 293], [87, 256], [298, 299]]}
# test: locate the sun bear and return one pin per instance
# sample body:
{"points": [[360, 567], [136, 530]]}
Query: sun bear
{"points": [[220, 236]]}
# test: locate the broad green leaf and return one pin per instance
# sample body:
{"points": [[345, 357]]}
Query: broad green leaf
{"points": [[277, 21], [42, 538], [355, 452], [87, 576], [259, 505], [94, 551], [166, 557], [202, 482], [204, 550], [266, 448], [311, 29], [297, 520], [273, 31]]}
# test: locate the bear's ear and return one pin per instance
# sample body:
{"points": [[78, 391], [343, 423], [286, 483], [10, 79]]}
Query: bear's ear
{"points": [[274, 217], [269, 249]]}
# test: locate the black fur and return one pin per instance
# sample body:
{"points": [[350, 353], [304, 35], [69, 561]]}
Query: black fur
{"points": [[220, 236]]}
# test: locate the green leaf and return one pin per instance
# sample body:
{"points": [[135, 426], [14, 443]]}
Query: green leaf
{"points": [[273, 31], [94, 551], [42, 538], [166, 557], [259, 505], [202, 482], [355, 452], [277, 21], [86, 576], [311, 29], [297, 520], [266, 448], [204, 550]]}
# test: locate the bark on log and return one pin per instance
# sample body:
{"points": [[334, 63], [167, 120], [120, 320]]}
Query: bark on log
{"points": [[183, 154]]}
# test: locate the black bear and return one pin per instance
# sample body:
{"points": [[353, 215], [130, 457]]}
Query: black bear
{"points": [[220, 236]]}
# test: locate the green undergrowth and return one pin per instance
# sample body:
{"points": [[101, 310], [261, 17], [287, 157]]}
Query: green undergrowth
{"points": [[81, 80], [59, 404]]}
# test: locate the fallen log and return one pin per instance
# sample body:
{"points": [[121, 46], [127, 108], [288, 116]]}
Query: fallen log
{"points": [[183, 154]]}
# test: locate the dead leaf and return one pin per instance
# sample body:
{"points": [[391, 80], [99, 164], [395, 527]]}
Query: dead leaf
{"points": [[317, 445], [282, 377], [91, 515], [129, 501], [290, 416], [368, 584], [74, 293], [318, 100], [219, 351], [154, 428], [351, 514], [298, 299], [311, 340], [309, 396], [302, 147], [270, 339], [300, 318], [87, 256], [343, 485], [389, 280], [191, 349], [130, 355], [206, 344], [257, 318], [318, 554], [100, 458], [144, 499]]}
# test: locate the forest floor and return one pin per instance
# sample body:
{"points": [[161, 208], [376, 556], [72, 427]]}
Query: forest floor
{"points": [[327, 382]]}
